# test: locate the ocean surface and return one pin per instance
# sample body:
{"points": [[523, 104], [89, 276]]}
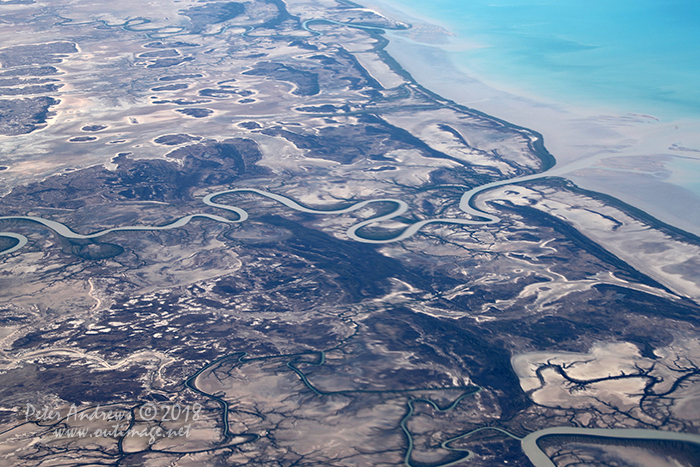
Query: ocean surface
{"points": [[640, 56]]}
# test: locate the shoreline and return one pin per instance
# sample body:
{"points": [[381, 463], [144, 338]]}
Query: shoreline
{"points": [[586, 139]]}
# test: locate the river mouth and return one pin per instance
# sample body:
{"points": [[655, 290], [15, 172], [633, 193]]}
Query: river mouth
{"points": [[623, 447], [622, 451]]}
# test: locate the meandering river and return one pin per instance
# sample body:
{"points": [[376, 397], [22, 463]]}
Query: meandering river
{"points": [[401, 208]]}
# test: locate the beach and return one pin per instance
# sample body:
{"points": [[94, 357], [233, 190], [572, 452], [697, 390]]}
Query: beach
{"points": [[647, 161]]}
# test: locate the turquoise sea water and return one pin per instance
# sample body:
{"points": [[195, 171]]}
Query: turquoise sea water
{"points": [[636, 56]]}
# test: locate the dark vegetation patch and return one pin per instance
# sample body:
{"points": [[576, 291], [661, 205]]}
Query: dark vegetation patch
{"points": [[284, 290], [160, 53], [423, 371], [325, 59], [364, 279], [218, 93], [35, 89], [326, 108], [212, 13], [550, 331], [17, 81], [349, 143], [72, 383], [195, 112], [33, 71], [215, 151], [174, 140], [7, 242], [249, 125], [281, 16], [491, 448], [605, 313], [82, 139], [168, 45], [216, 163], [94, 128], [182, 101], [302, 45], [225, 91], [12, 320], [2, 167], [306, 82], [485, 360], [94, 251], [637, 302], [179, 77], [254, 233], [168, 62], [39, 54], [518, 236], [171, 87], [22, 116], [246, 101]]}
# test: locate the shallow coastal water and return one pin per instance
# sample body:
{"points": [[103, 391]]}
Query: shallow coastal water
{"points": [[640, 56], [613, 80]]}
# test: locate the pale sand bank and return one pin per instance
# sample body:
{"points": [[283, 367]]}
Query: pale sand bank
{"points": [[571, 134]]}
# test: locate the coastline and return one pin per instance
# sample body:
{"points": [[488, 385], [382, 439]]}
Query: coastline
{"points": [[632, 157]]}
